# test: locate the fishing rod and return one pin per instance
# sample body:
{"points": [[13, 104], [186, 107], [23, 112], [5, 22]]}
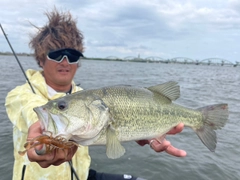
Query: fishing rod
{"points": [[24, 167], [17, 59]]}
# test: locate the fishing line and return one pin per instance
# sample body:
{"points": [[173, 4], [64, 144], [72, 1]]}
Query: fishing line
{"points": [[24, 166]]}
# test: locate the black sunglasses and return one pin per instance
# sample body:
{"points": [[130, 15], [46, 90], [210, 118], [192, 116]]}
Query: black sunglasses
{"points": [[72, 55]]}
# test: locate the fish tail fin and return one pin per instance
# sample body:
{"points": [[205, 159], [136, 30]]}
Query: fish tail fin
{"points": [[214, 117]]}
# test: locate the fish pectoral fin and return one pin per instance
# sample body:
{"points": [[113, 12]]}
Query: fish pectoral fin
{"points": [[170, 89], [114, 148]]}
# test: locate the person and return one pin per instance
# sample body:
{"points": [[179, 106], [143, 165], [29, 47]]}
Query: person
{"points": [[57, 46]]}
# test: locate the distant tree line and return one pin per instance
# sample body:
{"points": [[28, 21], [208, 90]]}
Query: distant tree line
{"points": [[19, 54]]}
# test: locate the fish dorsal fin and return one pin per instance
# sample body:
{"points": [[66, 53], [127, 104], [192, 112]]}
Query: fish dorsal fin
{"points": [[170, 89], [114, 147]]}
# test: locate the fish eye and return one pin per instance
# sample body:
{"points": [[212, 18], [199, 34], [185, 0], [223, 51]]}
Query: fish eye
{"points": [[62, 105]]}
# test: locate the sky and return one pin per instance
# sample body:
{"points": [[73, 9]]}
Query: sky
{"points": [[196, 29]]}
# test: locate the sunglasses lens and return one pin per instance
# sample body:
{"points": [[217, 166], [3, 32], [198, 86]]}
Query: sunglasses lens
{"points": [[72, 54], [73, 58]]}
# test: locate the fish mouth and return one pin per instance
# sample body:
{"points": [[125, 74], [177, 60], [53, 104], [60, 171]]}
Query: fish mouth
{"points": [[53, 123], [42, 116]]}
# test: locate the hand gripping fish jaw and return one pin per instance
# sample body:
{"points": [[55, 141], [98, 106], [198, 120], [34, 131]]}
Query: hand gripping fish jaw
{"points": [[59, 133]]}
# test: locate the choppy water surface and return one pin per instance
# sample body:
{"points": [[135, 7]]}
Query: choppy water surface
{"points": [[200, 86]]}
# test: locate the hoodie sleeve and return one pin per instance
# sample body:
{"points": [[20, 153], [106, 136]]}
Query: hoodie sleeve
{"points": [[19, 106]]}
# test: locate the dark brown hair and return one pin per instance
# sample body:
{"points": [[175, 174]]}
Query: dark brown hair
{"points": [[60, 32]]}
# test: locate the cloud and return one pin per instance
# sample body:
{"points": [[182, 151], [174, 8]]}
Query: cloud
{"points": [[235, 5], [165, 28]]}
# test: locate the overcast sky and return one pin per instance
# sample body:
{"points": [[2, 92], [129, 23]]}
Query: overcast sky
{"points": [[197, 29]]}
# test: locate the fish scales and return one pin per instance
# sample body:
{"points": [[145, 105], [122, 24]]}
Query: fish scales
{"points": [[113, 114], [131, 108]]}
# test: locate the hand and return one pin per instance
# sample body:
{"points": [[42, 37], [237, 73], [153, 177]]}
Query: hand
{"points": [[55, 158], [165, 145]]}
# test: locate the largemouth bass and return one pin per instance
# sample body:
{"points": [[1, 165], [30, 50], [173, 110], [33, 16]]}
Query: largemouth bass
{"points": [[110, 115]]}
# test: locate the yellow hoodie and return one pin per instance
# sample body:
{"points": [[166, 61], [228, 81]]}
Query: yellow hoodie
{"points": [[19, 106]]}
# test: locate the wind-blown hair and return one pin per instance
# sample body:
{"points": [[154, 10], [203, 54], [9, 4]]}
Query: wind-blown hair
{"points": [[60, 32]]}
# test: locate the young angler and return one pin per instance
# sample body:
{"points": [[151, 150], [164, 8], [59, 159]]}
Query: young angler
{"points": [[57, 46]]}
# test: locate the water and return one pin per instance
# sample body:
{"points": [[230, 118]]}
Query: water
{"points": [[200, 86]]}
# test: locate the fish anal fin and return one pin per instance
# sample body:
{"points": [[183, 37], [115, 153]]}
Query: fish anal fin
{"points": [[114, 148], [170, 89]]}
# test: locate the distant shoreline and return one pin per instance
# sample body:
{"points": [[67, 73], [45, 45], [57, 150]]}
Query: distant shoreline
{"points": [[27, 54], [11, 54], [140, 60]]}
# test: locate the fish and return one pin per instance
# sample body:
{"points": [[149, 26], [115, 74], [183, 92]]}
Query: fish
{"points": [[114, 114]]}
